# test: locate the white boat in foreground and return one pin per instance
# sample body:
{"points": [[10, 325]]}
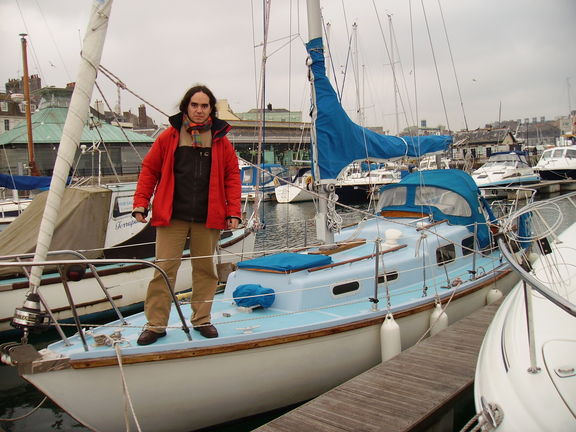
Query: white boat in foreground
{"points": [[526, 372]]}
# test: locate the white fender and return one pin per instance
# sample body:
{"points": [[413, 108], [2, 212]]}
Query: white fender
{"points": [[390, 342], [438, 320], [493, 295]]}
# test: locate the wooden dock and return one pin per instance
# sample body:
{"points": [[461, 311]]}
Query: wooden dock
{"points": [[402, 394]]}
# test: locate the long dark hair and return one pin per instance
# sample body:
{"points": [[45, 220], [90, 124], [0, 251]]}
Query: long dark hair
{"points": [[191, 92]]}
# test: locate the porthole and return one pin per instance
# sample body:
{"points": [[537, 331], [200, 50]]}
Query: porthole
{"points": [[345, 288], [388, 277]]}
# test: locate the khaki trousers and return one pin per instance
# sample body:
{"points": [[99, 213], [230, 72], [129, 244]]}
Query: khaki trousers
{"points": [[170, 242]]}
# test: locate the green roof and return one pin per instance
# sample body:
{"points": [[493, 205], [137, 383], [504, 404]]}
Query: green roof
{"points": [[48, 123]]}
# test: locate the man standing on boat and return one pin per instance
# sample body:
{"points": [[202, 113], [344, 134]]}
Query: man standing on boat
{"points": [[192, 171]]}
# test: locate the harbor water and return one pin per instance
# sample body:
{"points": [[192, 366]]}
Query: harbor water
{"points": [[284, 228]]}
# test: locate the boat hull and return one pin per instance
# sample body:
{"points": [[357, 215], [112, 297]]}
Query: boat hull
{"points": [[226, 383], [543, 398], [559, 174]]}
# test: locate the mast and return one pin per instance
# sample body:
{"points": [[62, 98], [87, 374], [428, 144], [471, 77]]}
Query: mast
{"points": [[324, 189], [72, 133], [25, 80]]}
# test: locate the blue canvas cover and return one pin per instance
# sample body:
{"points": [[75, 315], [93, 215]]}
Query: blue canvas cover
{"points": [[250, 295], [285, 262], [453, 180], [340, 141], [24, 182]]}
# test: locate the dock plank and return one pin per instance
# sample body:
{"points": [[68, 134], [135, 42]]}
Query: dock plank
{"points": [[401, 393]]}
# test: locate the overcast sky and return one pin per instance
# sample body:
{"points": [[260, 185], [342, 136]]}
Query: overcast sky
{"points": [[512, 59]]}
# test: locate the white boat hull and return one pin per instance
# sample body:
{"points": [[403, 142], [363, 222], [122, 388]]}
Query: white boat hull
{"points": [[288, 193], [541, 400]]}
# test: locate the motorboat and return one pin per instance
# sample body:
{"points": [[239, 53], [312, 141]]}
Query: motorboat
{"points": [[525, 376], [505, 169], [502, 171], [557, 163], [360, 182]]}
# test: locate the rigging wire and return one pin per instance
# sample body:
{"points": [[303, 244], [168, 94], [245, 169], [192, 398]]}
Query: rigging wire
{"points": [[453, 65], [435, 64], [394, 73], [123, 86], [34, 55], [54, 41]]}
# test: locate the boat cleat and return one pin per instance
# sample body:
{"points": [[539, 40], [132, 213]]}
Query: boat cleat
{"points": [[247, 330]]}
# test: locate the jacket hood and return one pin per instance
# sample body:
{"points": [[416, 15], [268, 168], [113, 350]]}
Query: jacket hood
{"points": [[219, 127]]}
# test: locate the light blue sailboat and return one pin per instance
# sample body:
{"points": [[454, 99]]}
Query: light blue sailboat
{"points": [[295, 324]]}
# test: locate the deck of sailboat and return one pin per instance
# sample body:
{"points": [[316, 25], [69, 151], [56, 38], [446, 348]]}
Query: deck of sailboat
{"points": [[236, 325]]}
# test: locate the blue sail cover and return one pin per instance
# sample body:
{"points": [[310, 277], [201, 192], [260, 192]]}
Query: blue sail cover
{"points": [[24, 182], [340, 141]]}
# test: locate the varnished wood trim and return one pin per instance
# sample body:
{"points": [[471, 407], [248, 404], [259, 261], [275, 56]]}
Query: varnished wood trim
{"points": [[356, 259], [432, 224], [402, 214], [278, 340], [340, 247]]}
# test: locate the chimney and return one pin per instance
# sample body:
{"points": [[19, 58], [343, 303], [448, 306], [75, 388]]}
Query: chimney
{"points": [[142, 119]]}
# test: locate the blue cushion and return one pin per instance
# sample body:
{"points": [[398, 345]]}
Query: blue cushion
{"points": [[285, 262], [265, 299]]}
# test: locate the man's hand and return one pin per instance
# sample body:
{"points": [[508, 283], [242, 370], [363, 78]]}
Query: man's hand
{"points": [[232, 223], [140, 217]]}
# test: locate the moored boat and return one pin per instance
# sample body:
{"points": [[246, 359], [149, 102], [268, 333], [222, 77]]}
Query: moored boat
{"points": [[557, 163], [525, 377]]}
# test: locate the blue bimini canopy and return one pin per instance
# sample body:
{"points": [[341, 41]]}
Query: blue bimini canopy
{"points": [[444, 194], [285, 262], [340, 141]]}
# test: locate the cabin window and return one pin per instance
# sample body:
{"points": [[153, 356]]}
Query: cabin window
{"points": [[247, 176], [448, 202], [122, 206], [388, 277], [445, 254], [557, 153], [571, 154], [393, 197], [467, 245], [6, 125], [346, 288]]}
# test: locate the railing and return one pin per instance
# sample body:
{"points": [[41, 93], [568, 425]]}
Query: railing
{"points": [[530, 281], [82, 261]]}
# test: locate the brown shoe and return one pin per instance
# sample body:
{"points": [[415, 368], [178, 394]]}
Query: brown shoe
{"points": [[148, 337], [207, 330]]}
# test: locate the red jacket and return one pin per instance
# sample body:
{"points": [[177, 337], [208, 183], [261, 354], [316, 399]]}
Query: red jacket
{"points": [[157, 176]]}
